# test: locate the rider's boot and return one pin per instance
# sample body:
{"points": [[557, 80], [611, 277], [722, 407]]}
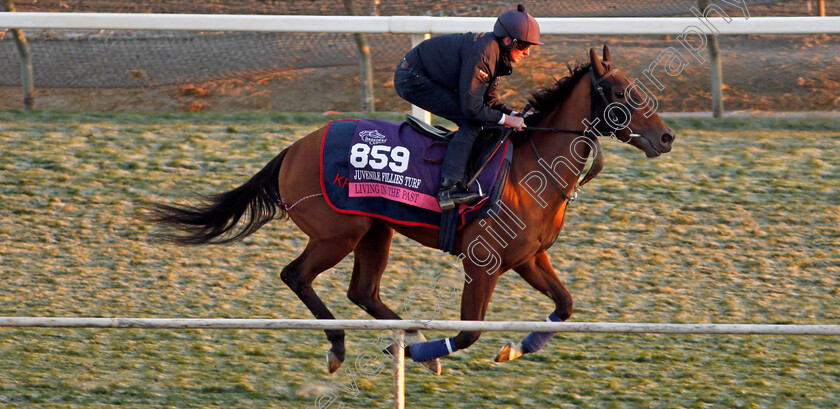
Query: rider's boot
{"points": [[452, 190], [452, 193]]}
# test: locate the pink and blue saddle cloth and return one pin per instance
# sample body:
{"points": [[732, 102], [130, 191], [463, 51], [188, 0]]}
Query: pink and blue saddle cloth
{"points": [[392, 172]]}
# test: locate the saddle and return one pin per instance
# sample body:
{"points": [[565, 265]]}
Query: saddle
{"points": [[488, 143], [436, 132], [489, 140]]}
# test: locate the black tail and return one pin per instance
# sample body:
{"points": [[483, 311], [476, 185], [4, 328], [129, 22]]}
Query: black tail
{"points": [[213, 221]]}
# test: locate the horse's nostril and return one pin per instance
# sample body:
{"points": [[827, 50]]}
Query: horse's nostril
{"points": [[667, 139]]}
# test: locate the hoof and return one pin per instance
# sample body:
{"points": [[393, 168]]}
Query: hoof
{"points": [[433, 366], [333, 361], [413, 338], [509, 352]]}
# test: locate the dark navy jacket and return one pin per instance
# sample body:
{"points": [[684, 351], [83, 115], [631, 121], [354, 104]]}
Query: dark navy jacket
{"points": [[470, 64]]}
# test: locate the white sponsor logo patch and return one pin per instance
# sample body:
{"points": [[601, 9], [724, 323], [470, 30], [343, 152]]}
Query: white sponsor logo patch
{"points": [[373, 137]]}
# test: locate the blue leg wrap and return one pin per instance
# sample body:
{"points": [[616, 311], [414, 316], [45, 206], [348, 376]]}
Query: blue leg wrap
{"points": [[536, 340], [431, 350]]}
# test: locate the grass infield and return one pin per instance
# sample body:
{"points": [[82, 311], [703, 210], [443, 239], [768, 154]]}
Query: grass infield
{"points": [[738, 224]]}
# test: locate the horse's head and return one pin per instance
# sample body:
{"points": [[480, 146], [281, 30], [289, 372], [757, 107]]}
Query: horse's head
{"points": [[626, 109]]}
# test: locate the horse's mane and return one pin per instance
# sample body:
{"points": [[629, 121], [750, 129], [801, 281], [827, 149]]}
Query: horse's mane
{"points": [[544, 101]]}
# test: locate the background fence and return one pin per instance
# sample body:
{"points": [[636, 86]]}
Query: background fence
{"points": [[107, 58], [131, 56], [419, 28]]}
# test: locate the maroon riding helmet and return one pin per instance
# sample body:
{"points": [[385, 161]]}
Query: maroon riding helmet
{"points": [[518, 25]]}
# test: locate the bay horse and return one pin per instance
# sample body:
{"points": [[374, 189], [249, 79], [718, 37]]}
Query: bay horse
{"points": [[595, 99]]}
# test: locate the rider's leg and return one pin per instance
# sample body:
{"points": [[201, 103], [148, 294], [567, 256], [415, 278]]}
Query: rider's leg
{"points": [[452, 189], [419, 90]]}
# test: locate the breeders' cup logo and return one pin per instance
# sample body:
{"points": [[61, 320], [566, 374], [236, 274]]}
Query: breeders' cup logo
{"points": [[373, 137]]}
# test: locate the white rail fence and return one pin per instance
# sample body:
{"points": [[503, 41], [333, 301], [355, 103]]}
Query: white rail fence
{"points": [[399, 357], [375, 325], [410, 24]]}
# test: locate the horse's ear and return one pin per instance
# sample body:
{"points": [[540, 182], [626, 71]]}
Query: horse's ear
{"points": [[596, 63], [607, 53]]}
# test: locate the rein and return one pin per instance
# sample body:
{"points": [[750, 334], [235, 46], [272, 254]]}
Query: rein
{"points": [[554, 130]]}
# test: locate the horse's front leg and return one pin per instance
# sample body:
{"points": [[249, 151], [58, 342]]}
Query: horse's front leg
{"points": [[478, 288], [539, 273]]}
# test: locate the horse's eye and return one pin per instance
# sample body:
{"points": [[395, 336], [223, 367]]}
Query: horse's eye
{"points": [[620, 94]]}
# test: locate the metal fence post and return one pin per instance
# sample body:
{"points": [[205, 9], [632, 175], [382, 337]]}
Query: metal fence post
{"points": [[26, 77], [416, 111], [399, 373], [716, 68]]}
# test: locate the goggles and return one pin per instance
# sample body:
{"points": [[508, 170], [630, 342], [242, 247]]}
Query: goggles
{"points": [[521, 45]]}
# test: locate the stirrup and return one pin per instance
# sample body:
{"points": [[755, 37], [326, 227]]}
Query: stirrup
{"points": [[449, 197]]}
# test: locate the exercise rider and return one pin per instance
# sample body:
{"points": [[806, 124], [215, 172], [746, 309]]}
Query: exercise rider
{"points": [[456, 76]]}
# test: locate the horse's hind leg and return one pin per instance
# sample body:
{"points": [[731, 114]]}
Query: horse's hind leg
{"points": [[539, 273], [371, 258], [318, 256]]}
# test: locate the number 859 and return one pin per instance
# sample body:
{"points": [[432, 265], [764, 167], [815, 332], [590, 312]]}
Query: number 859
{"points": [[361, 155]]}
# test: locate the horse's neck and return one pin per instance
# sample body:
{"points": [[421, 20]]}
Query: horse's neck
{"points": [[563, 153], [570, 113]]}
